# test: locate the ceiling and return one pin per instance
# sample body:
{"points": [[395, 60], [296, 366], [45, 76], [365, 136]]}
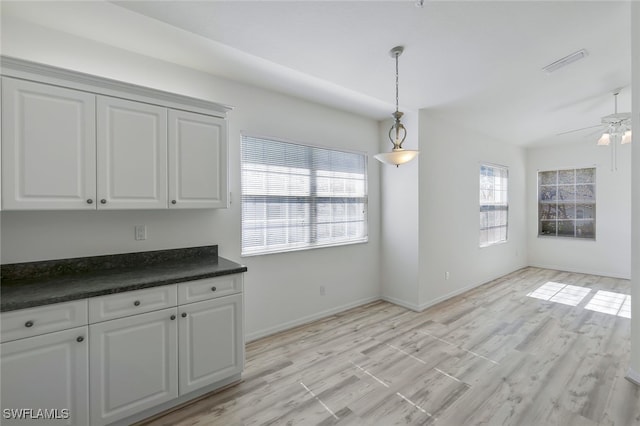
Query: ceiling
{"points": [[478, 62]]}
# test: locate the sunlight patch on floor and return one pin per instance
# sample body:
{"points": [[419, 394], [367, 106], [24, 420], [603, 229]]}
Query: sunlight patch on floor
{"points": [[566, 294], [611, 303], [606, 302]]}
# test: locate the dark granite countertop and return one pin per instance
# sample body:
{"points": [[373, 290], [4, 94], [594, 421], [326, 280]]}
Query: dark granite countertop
{"points": [[41, 283]]}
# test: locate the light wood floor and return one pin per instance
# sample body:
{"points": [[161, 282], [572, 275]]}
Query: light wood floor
{"points": [[492, 356]]}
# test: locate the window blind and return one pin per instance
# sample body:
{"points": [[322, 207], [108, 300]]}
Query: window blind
{"points": [[296, 196], [494, 205]]}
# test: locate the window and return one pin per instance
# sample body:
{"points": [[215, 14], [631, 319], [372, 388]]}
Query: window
{"points": [[494, 206], [296, 196], [567, 203]]}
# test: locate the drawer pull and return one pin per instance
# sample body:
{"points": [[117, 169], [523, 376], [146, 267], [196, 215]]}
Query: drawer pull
{"points": [[136, 303], [28, 324], [103, 201], [173, 317], [173, 201], [184, 315], [80, 339], [213, 288], [89, 201]]}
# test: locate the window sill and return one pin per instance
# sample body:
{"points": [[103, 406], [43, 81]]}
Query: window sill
{"points": [[498, 243], [304, 248], [565, 238]]}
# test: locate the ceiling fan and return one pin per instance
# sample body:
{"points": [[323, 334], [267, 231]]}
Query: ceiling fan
{"points": [[616, 127]]}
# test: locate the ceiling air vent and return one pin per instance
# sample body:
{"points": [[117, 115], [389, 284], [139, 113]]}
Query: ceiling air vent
{"points": [[575, 56]]}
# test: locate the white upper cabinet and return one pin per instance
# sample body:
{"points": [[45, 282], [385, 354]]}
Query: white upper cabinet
{"points": [[132, 155], [48, 147], [197, 160], [72, 141]]}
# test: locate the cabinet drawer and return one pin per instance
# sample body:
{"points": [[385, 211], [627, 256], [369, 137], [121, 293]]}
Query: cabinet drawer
{"points": [[131, 303], [209, 288], [42, 319]]}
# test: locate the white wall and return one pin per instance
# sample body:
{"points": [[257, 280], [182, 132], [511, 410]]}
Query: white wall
{"points": [[399, 220], [634, 369], [449, 209], [610, 253], [282, 290]]}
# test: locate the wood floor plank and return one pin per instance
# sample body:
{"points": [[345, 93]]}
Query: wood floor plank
{"points": [[490, 356]]}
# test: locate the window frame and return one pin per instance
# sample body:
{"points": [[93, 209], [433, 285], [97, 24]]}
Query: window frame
{"points": [[486, 206], [314, 200], [576, 202]]}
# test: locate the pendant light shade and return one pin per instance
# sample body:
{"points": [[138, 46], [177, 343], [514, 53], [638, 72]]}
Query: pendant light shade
{"points": [[397, 133], [396, 157]]}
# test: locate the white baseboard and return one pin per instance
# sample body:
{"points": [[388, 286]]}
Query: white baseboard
{"points": [[402, 303], [580, 271], [447, 296], [249, 337], [459, 291], [633, 376]]}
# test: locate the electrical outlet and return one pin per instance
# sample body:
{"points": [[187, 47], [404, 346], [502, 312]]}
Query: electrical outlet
{"points": [[322, 290], [141, 232], [446, 275]]}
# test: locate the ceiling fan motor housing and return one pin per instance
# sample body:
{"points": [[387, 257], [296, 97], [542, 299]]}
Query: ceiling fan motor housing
{"points": [[619, 118]]}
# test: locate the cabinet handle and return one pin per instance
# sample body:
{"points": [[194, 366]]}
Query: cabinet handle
{"points": [[103, 201], [136, 303], [173, 201], [28, 324], [213, 288], [89, 201], [80, 339], [173, 317], [184, 315]]}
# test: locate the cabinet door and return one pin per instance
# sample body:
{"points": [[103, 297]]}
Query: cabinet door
{"points": [[132, 155], [134, 363], [48, 372], [48, 147], [211, 341], [197, 160]]}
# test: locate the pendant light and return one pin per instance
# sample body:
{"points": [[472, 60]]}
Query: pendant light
{"points": [[397, 133]]}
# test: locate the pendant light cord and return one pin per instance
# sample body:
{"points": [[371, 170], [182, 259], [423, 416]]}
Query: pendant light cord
{"points": [[397, 81]]}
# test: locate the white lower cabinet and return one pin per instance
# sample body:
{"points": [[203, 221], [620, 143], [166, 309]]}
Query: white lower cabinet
{"points": [[45, 379], [142, 352], [134, 364], [211, 346], [141, 361]]}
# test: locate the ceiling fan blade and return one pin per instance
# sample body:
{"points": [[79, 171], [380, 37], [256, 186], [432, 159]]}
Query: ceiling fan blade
{"points": [[578, 130], [594, 133]]}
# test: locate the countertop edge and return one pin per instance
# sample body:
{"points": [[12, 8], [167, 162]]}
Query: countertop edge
{"points": [[86, 294]]}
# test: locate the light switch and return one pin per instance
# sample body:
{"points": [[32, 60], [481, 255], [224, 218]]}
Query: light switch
{"points": [[141, 232]]}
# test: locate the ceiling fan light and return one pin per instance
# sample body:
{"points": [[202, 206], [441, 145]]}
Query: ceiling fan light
{"points": [[627, 137], [605, 139]]}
